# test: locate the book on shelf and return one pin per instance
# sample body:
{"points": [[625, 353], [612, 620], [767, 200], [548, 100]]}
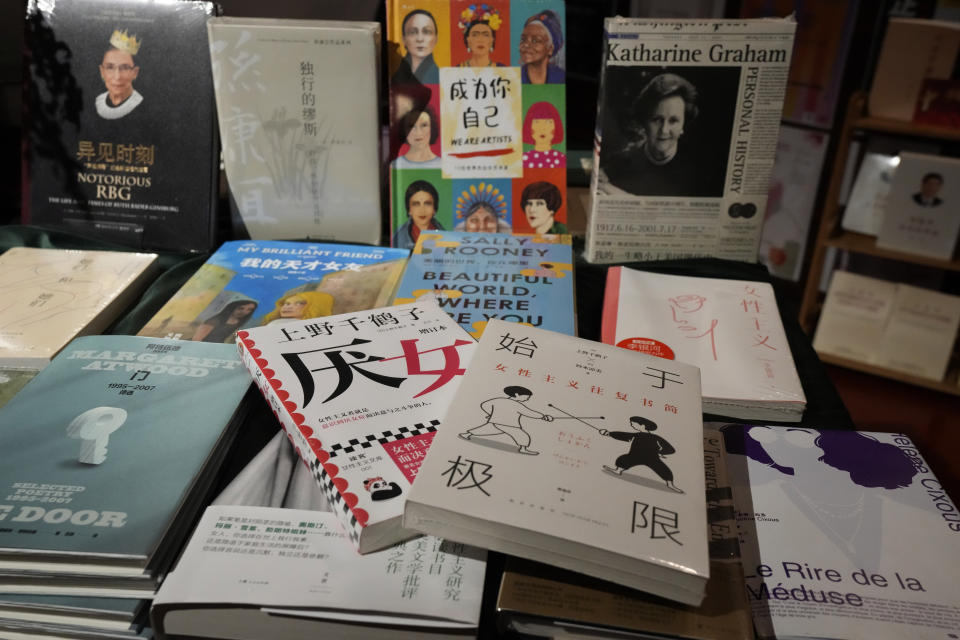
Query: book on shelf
{"points": [[477, 115], [361, 396], [73, 522], [914, 51], [576, 454], [248, 283], [51, 296], [223, 588], [478, 277], [730, 329], [920, 333], [854, 315], [921, 215], [545, 601], [298, 105], [687, 126], [790, 205], [868, 196], [843, 534], [108, 151]]}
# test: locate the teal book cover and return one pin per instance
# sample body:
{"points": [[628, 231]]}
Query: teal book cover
{"points": [[102, 447], [480, 276]]}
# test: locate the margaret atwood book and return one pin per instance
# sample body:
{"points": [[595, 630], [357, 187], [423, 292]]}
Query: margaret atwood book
{"points": [[107, 450], [730, 329], [480, 276], [575, 454], [301, 580], [361, 396], [50, 296], [298, 119], [251, 283], [119, 123], [541, 600], [844, 534]]}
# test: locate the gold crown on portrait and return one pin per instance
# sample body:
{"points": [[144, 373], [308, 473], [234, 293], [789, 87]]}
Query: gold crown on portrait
{"points": [[124, 42]]}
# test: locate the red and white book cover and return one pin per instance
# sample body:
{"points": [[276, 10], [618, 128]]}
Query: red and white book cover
{"points": [[360, 395], [730, 329]]}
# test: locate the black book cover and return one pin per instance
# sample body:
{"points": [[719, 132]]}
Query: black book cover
{"points": [[119, 121]]}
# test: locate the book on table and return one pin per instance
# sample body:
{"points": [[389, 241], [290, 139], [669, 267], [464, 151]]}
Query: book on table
{"points": [[51, 296], [361, 396], [249, 283], [480, 276], [298, 105], [575, 454], [545, 601], [843, 534], [730, 329], [112, 447]]}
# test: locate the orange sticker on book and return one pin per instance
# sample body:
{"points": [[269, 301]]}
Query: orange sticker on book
{"points": [[648, 345]]}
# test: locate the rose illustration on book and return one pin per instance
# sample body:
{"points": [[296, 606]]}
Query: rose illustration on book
{"points": [[93, 428]]}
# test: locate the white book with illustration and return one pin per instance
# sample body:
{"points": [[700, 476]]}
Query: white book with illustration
{"points": [[575, 454]]}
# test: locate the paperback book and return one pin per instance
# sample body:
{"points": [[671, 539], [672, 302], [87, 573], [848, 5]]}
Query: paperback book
{"points": [[574, 454], [298, 105], [477, 115], [223, 588], [687, 127], [99, 617], [854, 316], [71, 517], [844, 534], [478, 277], [868, 196], [361, 396], [730, 329], [119, 132], [921, 214], [545, 601], [50, 296], [250, 283]]}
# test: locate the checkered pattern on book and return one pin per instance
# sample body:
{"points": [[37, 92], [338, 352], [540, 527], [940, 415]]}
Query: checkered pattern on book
{"points": [[383, 437], [341, 508]]}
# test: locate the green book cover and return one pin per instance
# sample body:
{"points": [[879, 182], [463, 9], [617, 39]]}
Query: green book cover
{"points": [[102, 447]]}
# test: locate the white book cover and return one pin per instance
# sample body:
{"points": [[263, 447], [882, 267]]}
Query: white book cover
{"points": [[868, 197], [843, 534], [854, 316], [922, 213], [731, 329], [361, 396], [921, 332], [298, 113], [575, 454], [48, 297], [258, 572]]}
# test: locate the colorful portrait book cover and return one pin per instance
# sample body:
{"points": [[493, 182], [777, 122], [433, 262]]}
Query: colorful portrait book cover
{"points": [[844, 534], [478, 277], [576, 454], [477, 114], [109, 439], [361, 396], [250, 283], [119, 131], [299, 123]]}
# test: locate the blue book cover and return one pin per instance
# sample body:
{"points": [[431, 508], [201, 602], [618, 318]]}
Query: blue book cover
{"points": [[480, 276], [843, 534], [104, 445], [251, 283]]}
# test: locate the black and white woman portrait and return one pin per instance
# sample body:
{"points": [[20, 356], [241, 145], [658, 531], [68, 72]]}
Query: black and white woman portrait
{"points": [[666, 131]]}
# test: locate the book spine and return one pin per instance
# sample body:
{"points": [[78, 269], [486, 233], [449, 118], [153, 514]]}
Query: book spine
{"points": [[308, 448]]}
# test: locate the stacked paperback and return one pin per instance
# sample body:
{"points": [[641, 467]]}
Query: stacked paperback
{"points": [[576, 454], [730, 329]]}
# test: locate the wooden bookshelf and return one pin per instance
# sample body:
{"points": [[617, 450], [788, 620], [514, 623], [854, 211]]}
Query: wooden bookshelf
{"points": [[861, 243], [948, 385]]}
